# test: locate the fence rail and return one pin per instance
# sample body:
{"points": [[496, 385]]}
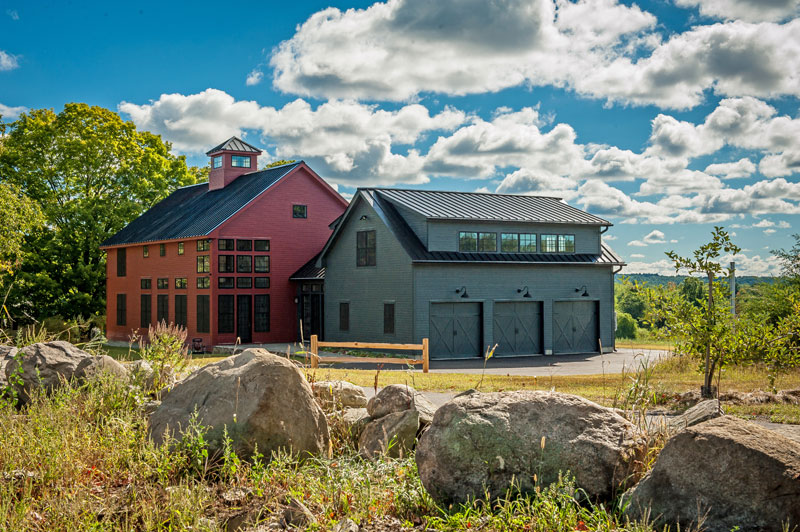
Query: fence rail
{"points": [[423, 347]]}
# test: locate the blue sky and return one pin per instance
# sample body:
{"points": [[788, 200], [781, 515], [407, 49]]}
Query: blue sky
{"points": [[665, 117]]}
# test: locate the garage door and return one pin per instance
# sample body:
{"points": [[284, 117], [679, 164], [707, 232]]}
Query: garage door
{"points": [[575, 327], [455, 330], [518, 328]]}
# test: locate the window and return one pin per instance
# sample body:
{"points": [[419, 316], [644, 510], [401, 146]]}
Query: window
{"points": [[203, 282], [162, 283], [180, 310], [467, 241], [244, 245], [145, 311], [344, 316], [509, 242], [549, 243], [262, 264], [203, 264], [203, 245], [244, 263], [566, 243], [487, 241], [216, 162], [225, 314], [225, 282], [122, 309], [527, 243], [240, 161], [146, 284], [261, 245], [261, 313], [225, 264], [299, 211], [122, 262], [180, 248], [225, 244], [162, 250], [388, 318], [162, 308], [244, 282], [203, 314], [145, 251], [262, 282], [180, 282], [365, 248]]}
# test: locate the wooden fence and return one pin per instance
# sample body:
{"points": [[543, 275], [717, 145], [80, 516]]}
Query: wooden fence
{"points": [[316, 344]]}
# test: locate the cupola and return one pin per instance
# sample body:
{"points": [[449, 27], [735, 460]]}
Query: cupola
{"points": [[229, 160]]}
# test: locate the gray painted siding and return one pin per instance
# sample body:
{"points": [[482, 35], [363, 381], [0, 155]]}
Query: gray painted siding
{"points": [[443, 235], [367, 288], [417, 222], [491, 282]]}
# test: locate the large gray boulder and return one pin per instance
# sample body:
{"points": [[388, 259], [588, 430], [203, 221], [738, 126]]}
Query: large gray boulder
{"points": [[354, 419], [262, 399], [484, 441], [334, 395], [100, 365], [393, 435], [7, 352], [702, 411], [732, 474], [399, 398], [43, 365]]}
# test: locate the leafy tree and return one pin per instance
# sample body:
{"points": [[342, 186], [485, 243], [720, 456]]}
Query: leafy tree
{"points": [[790, 260], [19, 215], [692, 288], [91, 173], [626, 326], [768, 302], [632, 300], [706, 333], [281, 162]]}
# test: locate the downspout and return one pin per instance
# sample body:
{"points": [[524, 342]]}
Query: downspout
{"points": [[605, 228]]}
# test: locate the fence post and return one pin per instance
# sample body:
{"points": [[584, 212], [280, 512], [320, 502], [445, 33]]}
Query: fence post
{"points": [[314, 351], [425, 355]]}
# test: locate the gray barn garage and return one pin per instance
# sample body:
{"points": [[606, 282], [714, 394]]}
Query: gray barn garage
{"points": [[469, 270]]}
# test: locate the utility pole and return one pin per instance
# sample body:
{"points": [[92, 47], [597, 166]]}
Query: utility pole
{"points": [[733, 288]]}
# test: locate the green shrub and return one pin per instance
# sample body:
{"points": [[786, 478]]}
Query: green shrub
{"points": [[626, 326]]}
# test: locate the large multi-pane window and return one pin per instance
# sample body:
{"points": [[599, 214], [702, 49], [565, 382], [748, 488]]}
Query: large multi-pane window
{"points": [[244, 245], [216, 162], [122, 262], [146, 284], [261, 263], [145, 251], [225, 311], [299, 211], [203, 245], [240, 161], [162, 283], [203, 314], [566, 243], [225, 264], [244, 282], [203, 264], [122, 309], [145, 311], [162, 250], [244, 263], [162, 308], [225, 282], [549, 243], [344, 316], [365, 248], [225, 244], [509, 242], [388, 318], [180, 310], [261, 313], [467, 241], [180, 282], [261, 282], [487, 241], [203, 282], [527, 243], [261, 245]]}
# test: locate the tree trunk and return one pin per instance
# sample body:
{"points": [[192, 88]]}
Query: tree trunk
{"points": [[706, 391]]}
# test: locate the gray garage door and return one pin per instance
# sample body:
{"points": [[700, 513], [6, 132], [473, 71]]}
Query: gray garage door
{"points": [[518, 328], [575, 327], [455, 330]]}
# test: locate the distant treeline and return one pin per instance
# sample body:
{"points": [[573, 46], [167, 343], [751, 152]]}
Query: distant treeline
{"points": [[654, 279]]}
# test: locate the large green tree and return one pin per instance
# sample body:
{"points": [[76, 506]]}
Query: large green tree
{"points": [[91, 173]]}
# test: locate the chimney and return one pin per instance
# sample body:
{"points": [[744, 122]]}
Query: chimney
{"points": [[229, 160]]}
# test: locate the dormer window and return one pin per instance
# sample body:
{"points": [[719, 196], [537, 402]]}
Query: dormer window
{"points": [[240, 161], [216, 162]]}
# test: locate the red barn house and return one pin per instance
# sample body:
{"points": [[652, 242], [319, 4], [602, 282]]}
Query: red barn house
{"points": [[217, 257]]}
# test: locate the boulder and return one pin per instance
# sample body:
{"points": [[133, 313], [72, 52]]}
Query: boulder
{"points": [[702, 411], [261, 398], [355, 419], [144, 375], [44, 365], [392, 435], [7, 351], [484, 441], [732, 474], [103, 364], [399, 398], [338, 395]]}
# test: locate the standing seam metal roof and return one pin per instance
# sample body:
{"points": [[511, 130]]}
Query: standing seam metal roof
{"points": [[196, 211], [234, 144], [476, 206]]}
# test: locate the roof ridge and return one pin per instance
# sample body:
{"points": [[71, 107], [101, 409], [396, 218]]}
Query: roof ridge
{"points": [[462, 192]]}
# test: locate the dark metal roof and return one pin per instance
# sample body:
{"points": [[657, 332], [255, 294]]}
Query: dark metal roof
{"points": [[309, 271], [195, 211], [476, 206], [234, 144]]}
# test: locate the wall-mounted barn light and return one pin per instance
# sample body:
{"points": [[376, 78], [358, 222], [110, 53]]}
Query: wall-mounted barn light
{"points": [[585, 293], [525, 290], [462, 291]]}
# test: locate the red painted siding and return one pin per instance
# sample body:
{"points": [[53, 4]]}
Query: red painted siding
{"points": [[293, 241]]}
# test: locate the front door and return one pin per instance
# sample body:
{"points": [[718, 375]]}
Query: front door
{"points": [[244, 318], [312, 316]]}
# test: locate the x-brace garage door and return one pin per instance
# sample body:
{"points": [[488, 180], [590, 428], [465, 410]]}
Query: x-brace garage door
{"points": [[455, 330], [518, 328], [575, 327]]}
